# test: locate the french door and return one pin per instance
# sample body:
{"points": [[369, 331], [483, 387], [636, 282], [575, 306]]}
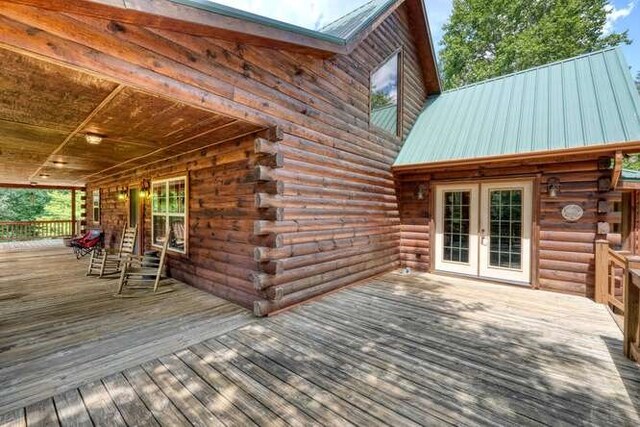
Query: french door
{"points": [[484, 229]]}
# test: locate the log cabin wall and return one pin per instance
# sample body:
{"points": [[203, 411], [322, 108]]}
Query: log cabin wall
{"points": [[220, 247], [339, 209], [563, 252], [333, 219]]}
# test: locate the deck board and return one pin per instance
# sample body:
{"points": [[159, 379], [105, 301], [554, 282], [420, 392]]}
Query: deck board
{"points": [[400, 349], [60, 328]]}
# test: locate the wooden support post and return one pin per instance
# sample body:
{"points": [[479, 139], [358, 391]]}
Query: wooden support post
{"points": [[73, 212], [601, 270], [631, 315]]}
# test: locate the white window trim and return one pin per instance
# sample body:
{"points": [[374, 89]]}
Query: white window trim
{"points": [[184, 215]]}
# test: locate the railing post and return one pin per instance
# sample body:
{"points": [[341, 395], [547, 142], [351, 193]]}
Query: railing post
{"points": [[602, 271], [631, 314], [73, 212]]}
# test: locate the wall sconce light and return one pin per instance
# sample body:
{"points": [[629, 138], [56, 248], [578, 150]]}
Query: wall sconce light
{"points": [[421, 192], [123, 194], [145, 189], [553, 187]]}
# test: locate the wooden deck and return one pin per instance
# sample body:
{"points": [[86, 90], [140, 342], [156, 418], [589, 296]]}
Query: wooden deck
{"points": [[60, 328], [398, 350]]}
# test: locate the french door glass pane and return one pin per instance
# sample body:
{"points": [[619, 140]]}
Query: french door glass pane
{"points": [[505, 228], [456, 226]]}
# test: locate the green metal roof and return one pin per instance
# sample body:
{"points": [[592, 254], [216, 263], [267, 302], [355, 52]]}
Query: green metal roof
{"points": [[386, 118], [630, 175], [338, 31], [578, 102], [350, 24]]}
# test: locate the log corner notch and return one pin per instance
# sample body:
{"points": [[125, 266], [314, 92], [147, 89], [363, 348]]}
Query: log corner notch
{"points": [[617, 169], [268, 189]]}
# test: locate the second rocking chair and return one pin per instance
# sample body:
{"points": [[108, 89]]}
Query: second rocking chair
{"points": [[142, 271], [102, 263]]}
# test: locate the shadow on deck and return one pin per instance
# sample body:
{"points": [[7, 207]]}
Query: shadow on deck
{"points": [[398, 350], [60, 328]]}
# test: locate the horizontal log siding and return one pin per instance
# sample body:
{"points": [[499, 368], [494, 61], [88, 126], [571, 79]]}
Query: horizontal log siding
{"points": [[564, 251], [221, 214], [414, 223], [331, 209], [339, 210]]}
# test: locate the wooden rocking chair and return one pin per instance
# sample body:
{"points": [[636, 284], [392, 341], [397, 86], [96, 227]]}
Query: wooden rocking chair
{"points": [[102, 263], [139, 270]]}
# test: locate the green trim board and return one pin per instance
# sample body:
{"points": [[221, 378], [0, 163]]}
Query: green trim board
{"points": [[579, 102]]}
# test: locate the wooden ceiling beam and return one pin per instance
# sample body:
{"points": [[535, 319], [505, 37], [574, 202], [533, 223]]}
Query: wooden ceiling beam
{"points": [[103, 179], [40, 186], [79, 128]]}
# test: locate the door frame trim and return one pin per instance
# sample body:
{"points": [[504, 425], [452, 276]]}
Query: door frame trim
{"points": [[474, 188], [140, 222], [527, 184], [534, 178]]}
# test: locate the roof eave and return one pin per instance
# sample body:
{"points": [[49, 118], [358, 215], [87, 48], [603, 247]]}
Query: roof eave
{"points": [[184, 16], [627, 147]]}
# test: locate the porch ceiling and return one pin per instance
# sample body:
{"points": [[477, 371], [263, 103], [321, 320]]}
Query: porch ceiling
{"points": [[46, 110]]}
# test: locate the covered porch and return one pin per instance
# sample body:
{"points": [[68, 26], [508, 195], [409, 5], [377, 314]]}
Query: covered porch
{"points": [[399, 350]]}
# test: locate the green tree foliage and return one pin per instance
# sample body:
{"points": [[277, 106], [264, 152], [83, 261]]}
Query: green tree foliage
{"points": [[22, 205], [632, 162], [37, 205], [489, 38], [380, 99], [58, 207]]}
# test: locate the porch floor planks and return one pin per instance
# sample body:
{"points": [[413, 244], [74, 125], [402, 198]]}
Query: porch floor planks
{"points": [[60, 328], [398, 350]]}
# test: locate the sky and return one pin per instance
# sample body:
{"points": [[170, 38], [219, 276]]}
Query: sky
{"points": [[311, 14], [314, 14]]}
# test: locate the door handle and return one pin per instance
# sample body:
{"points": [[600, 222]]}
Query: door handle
{"points": [[483, 237]]}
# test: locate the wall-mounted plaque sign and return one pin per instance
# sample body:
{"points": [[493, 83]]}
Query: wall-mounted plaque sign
{"points": [[572, 212]]}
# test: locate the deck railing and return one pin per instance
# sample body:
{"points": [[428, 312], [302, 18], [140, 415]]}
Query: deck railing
{"points": [[31, 230], [617, 281], [631, 330]]}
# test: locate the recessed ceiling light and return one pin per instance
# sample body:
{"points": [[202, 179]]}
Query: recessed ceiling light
{"points": [[44, 175], [59, 163], [93, 139]]}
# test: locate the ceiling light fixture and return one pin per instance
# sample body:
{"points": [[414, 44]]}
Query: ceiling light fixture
{"points": [[93, 139], [44, 175], [59, 163]]}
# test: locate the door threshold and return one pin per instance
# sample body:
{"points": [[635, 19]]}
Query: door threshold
{"points": [[482, 279]]}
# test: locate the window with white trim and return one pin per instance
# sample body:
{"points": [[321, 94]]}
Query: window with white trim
{"points": [[169, 212]]}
